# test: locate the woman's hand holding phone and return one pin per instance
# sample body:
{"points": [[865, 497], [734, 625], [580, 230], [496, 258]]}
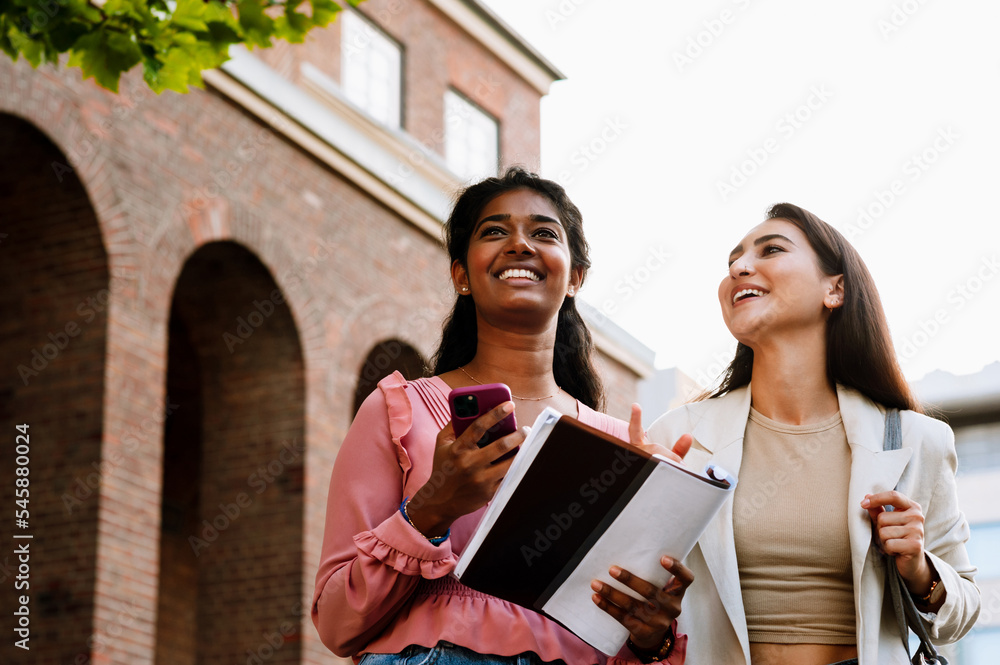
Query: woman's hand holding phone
{"points": [[464, 477]]}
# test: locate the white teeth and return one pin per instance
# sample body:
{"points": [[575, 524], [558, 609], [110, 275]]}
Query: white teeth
{"points": [[511, 273], [747, 292]]}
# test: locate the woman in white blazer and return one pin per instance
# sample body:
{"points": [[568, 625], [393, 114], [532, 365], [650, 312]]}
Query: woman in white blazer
{"points": [[814, 340]]}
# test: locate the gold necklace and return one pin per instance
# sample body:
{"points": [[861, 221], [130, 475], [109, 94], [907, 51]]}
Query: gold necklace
{"points": [[523, 399]]}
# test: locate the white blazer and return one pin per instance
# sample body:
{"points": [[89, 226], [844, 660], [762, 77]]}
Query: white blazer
{"points": [[923, 469]]}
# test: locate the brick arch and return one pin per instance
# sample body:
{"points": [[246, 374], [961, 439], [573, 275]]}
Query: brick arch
{"points": [[234, 452], [83, 154], [379, 316], [53, 340], [386, 357]]}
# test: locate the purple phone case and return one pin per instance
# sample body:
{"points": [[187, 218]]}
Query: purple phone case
{"points": [[489, 396]]}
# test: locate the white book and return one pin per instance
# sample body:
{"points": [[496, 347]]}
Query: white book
{"points": [[574, 502]]}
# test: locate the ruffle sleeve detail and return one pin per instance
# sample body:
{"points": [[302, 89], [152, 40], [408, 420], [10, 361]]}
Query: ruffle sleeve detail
{"points": [[400, 412], [399, 546]]}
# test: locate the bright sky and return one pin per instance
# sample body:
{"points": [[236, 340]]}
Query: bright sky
{"points": [[681, 122]]}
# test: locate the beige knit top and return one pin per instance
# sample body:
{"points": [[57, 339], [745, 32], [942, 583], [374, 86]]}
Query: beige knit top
{"points": [[790, 526]]}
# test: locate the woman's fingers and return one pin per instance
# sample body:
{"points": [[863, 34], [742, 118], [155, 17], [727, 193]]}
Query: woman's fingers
{"points": [[621, 605], [503, 445], [899, 522], [637, 584], [650, 602], [469, 439], [682, 575], [892, 498], [683, 445], [636, 434]]}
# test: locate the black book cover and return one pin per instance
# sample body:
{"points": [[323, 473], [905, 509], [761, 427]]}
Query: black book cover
{"points": [[577, 484]]}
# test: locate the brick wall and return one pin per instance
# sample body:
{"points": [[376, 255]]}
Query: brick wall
{"points": [[437, 55], [231, 564], [52, 339], [161, 177]]}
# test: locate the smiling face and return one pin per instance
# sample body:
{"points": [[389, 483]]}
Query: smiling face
{"points": [[775, 285], [518, 258]]}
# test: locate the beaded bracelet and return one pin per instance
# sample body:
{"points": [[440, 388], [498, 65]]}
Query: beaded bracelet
{"points": [[649, 656], [436, 540]]}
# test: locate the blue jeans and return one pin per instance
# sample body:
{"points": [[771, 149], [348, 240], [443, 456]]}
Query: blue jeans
{"points": [[446, 653]]}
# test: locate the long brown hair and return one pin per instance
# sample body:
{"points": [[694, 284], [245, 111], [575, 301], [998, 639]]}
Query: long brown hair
{"points": [[572, 361], [859, 350]]}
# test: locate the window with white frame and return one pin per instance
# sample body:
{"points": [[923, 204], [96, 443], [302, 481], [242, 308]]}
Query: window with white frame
{"points": [[471, 139], [371, 66]]}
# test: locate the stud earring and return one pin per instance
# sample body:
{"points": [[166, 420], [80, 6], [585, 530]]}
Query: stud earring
{"points": [[465, 289], [571, 290]]}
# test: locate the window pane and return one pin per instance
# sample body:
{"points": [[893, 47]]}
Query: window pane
{"points": [[370, 69], [471, 139], [983, 546]]}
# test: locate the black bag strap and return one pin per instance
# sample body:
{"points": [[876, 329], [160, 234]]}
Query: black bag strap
{"points": [[907, 615]]}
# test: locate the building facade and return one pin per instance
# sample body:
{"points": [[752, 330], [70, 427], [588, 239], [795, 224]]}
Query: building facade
{"points": [[198, 290]]}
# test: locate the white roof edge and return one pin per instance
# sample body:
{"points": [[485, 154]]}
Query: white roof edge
{"points": [[489, 30]]}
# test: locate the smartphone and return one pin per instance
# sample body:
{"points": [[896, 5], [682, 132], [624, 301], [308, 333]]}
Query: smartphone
{"points": [[469, 403]]}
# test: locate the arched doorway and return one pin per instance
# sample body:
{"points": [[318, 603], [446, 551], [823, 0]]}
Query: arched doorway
{"points": [[384, 359], [53, 339], [231, 548]]}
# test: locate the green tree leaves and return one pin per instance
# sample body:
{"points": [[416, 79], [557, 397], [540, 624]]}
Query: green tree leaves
{"points": [[175, 40]]}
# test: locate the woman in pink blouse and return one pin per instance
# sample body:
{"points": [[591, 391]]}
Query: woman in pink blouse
{"points": [[406, 494]]}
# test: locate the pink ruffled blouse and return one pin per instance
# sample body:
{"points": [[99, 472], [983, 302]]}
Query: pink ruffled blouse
{"points": [[381, 586]]}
